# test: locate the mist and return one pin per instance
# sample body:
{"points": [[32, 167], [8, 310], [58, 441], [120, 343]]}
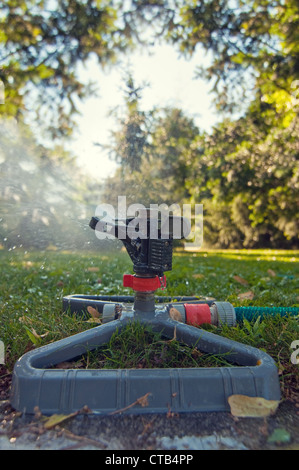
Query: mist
{"points": [[46, 201]]}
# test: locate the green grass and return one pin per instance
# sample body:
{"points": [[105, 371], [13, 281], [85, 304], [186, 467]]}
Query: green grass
{"points": [[32, 286], [137, 346]]}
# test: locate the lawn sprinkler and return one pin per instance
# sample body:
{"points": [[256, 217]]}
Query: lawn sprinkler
{"points": [[151, 253], [37, 382]]}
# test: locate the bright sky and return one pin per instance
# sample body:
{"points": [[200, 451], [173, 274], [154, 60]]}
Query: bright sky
{"points": [[171, 82]]}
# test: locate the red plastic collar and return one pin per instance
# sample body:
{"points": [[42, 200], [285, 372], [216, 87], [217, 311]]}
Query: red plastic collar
{"points": [[144, 284], [197, 314]]}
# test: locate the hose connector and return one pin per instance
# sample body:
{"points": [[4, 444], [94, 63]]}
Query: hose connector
{"points": [[219, 313], [223, 313]]}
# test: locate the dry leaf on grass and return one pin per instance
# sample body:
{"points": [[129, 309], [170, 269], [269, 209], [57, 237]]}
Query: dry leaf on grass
{"points": [[93, 269], [198, 276], [246, 295], [271, 272], [93, 312], [243, 406], [241, 280], [35, 338], [175, 314]]}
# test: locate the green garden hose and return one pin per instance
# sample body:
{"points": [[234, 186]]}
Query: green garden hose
{"points": [[251, 313]]}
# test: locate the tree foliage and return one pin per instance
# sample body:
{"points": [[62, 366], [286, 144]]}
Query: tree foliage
{"points": [[245, 175], [42, 43], [251, 42], [253, 47], [130, 140], [245, 171]]}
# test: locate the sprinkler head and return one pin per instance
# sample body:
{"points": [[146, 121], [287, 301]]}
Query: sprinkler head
{"points": [[147, 238]]}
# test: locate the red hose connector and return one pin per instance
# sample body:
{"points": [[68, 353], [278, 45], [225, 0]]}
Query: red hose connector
{"points": [[197, 314]]}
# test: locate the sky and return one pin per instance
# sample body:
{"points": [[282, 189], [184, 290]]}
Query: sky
{"points": [[172, 83]]}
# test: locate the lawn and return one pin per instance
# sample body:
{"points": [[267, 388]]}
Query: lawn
{"points": [[33, 284]]}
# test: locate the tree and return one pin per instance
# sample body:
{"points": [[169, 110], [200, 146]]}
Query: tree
{"points": [[171, 145], [253, 45], [157, 167], [130, 141], [42, 42], [245, 171], [254, 48], [248, 182]]}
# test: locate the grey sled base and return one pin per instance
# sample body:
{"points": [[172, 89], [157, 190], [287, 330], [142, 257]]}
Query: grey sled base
{"points": [[63, 391]]}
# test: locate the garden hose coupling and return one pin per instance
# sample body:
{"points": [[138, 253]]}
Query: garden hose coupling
{"points": [[219, 313], [223, 313]]}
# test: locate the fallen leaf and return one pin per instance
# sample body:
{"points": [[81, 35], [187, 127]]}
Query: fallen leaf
{"points": [[271, 272], [197, 276], [241, 280], [246, 295], [93, 312], [243, 406], [34, 336], [93, 269], [56, 419], [175, 314]]}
